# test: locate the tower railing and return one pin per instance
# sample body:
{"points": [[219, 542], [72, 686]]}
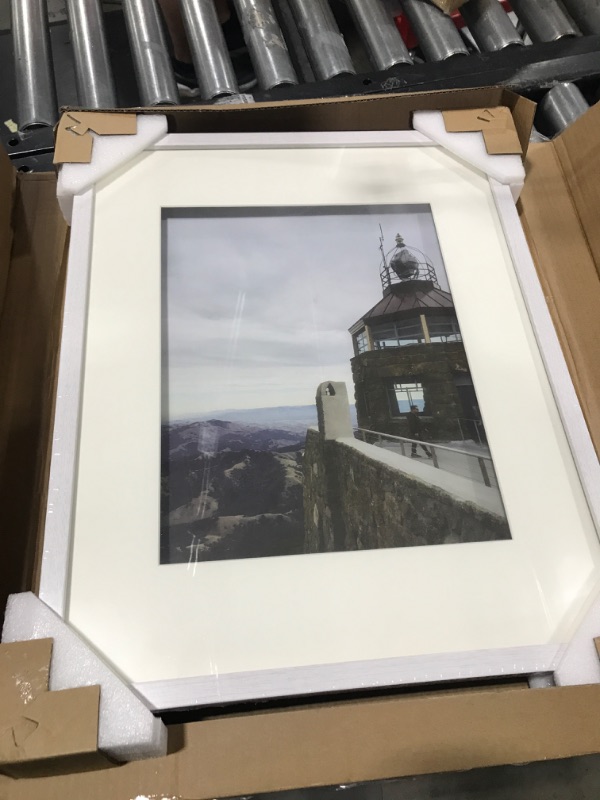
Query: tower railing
{"points": [[475, 466], [467, 425]]}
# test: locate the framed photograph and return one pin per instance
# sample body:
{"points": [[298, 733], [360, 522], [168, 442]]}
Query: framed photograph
{"points": [[315, 425]]}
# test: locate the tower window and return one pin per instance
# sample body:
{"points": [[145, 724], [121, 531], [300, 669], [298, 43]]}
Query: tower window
{"points": [[398, 334], [444, 329], [362, 342], [403, 395]]}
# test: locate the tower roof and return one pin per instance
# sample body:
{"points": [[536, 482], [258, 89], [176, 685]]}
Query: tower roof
{"points": [[395, 304]]}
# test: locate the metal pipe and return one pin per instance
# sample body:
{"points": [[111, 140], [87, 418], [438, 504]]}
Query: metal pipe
{"points": [[151, 60], [266, 44], [324, 43], [544, 20], [36, 91], [585, 13], [490, 25], [561, 106], [437, 34], [212, 63], [95, 85], [379, 33], [294, 41]]}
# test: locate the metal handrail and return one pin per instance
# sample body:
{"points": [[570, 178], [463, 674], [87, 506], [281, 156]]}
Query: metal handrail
{"points": [[476, 422], [481, 460]]}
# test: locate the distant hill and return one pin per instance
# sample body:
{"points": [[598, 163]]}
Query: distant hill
{"points": [[278, 416], [230, 491], [212, 436], [232, 484]]}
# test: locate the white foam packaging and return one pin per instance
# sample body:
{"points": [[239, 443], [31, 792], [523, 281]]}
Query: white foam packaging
{"points": [[470, 147], [127, 729], [108, 153]]}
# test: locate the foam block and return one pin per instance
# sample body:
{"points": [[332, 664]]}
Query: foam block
{"points": [[108, 153], [579, 663], [127, 729], [470, 147]]}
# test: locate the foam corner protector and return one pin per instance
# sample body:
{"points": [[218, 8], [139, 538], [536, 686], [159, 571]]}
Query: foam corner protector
{"points": [[127, 729], [469, 146], [580, 663], [110, 150]]}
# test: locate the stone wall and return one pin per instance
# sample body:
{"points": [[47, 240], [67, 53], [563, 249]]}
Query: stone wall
{"points": [[355, 502], [435, 365]]}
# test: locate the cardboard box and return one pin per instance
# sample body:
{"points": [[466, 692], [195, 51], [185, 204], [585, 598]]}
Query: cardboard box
{"points": [[341, 742]]}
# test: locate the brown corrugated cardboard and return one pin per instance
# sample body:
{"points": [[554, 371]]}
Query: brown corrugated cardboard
{"points": [[347, 743], [562, 233], [29, 334], [577, 150], [496, 124], [40, 729], [373, 112], [356, 740], [7, 185], [73, 141]]}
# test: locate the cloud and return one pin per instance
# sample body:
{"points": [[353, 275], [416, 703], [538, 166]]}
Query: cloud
{"points": [[258, 307]]}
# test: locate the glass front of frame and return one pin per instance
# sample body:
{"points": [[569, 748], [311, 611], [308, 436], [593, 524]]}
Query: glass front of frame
{"points": [[261, 308], [348, 452]]}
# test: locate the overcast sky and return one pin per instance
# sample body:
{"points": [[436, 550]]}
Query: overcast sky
{"points": [[258, 307]]}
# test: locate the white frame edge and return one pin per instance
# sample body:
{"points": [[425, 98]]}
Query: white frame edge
{"points": [[550, 348], [54, 579], [279, 139], [348, 676], [579, 661]]}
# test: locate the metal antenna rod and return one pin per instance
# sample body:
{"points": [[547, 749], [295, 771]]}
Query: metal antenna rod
{"points": [[151, 60], [95, 85], [489, 25], [322, 39], [379, 33], [266, 43], [586, 14], [36, 91], [437, 34], [212, 63], [547, 24], [385, 268]]}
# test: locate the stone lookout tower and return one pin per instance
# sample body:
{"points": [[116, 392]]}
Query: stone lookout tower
{"points": [[408, 351]]}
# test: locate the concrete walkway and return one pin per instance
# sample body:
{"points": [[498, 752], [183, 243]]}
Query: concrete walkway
{"points": [[467, 465]]}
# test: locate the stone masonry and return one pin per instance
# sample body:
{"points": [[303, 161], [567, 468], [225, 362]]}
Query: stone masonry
{"points": [[435, 366], [355, 502]]}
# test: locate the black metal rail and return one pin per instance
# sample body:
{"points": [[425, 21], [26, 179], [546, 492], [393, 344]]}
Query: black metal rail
{"points": [[527, 70]]}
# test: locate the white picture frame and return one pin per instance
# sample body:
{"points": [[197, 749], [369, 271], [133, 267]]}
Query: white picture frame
{"points": [[505, 608]]}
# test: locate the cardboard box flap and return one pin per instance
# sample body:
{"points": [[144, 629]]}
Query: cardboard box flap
{"points": [[29, 334], [347, 743], [7, 188], [579, 153], [365, 112], [567, 272], [370, 112]]}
